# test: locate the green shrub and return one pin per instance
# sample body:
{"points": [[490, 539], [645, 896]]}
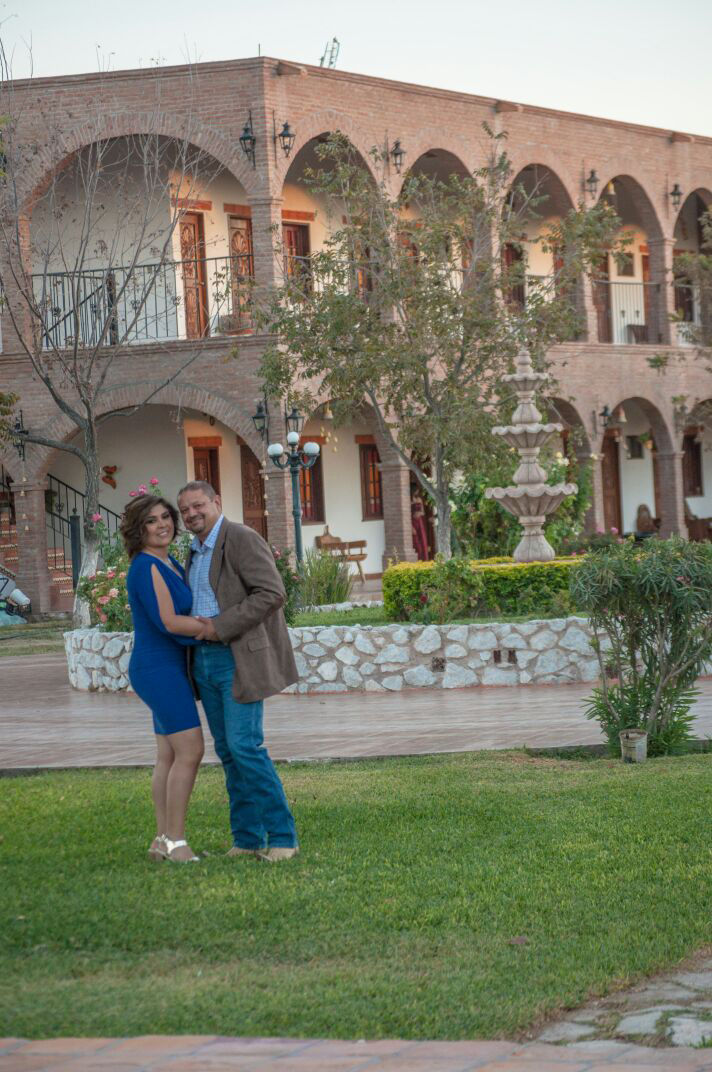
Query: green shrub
{"points": [[420, 591], [324, 578], [291, 582], [652, 602]]}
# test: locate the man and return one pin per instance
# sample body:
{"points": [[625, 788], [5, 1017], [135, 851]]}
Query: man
{"points": [[246, 656]]}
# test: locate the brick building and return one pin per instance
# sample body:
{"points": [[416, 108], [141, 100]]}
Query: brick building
{"points": [[653, 453]]}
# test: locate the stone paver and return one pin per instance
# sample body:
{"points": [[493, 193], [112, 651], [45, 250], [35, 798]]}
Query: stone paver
{"points": [[208, 1054], [46, 723]]}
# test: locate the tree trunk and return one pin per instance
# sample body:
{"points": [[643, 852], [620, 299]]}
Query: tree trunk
{"points": [[90, 551], [443, 526]]}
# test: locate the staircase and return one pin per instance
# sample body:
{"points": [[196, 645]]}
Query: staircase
{"points": [[61, 593]]}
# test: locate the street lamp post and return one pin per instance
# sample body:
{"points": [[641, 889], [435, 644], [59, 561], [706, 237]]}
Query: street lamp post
{"points": [[294, 459]]}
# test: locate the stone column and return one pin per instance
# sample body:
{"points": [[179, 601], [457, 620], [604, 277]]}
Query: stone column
{"points": [[662, 297], [395, 481], [594, 514], [32, 565], [590, 327], [672, 499]]}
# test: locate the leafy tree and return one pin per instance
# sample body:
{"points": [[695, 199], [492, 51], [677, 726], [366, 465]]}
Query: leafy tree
{"points": [[416, 305]]}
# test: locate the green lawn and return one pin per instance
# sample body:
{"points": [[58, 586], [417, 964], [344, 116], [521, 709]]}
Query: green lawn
{"points": [[35, 638], [398, 919]]}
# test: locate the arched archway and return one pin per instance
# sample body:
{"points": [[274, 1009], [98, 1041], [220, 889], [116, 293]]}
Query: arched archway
{"points": [[692, 303], [697, 470], [631, 306], [640, 466]]}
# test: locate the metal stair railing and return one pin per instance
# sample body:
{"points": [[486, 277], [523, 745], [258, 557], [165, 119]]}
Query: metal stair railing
{"points": [[64, 512]]}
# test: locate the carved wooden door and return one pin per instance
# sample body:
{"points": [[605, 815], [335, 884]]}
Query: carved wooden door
{"points": [[240, 270], [195, 297], [611, 480], [253, 492]]}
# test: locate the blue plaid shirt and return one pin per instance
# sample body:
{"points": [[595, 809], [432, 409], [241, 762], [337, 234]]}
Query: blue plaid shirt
{"points": [[204, 601]]}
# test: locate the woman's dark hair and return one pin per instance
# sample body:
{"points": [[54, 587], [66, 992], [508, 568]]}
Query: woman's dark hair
{"points": [[133, 522]]}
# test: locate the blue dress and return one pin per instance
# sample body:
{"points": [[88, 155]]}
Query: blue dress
{"points": [[157, 669]]}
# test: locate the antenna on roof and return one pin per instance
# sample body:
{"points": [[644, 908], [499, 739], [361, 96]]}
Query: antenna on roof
{"points": [[331, 53]]}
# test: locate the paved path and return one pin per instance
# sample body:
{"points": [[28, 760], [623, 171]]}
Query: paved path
{"points": [[193, 1053], [44, 722]]}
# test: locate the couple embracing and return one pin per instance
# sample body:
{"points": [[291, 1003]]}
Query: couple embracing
{"points": [[225, 607]]}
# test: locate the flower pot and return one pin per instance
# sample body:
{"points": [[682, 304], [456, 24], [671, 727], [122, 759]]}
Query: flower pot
{"points": [[634, 746]]}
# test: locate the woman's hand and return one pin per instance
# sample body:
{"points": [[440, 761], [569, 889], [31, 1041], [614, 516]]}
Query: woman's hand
{"points": [[207, 630]]}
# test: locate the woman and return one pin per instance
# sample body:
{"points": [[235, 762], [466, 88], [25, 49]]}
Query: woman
{"points": [[160, 601]]}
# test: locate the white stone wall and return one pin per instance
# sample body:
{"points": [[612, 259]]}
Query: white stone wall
{"points": [[387, 657]]}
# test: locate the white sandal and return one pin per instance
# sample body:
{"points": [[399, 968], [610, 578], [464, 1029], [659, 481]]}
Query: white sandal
{"points": [[171, 845], [158, 852]]}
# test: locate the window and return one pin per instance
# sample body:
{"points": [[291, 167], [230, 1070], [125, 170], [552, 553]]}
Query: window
{"points": [[626, 265], [371, 490], [691, 465], [311, 489]]}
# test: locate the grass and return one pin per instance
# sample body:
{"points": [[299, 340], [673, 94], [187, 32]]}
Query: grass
{"points": [[35, 638], [397, 920]]}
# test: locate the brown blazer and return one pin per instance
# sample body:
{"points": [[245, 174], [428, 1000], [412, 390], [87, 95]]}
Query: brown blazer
{"points": [[251, 595]]}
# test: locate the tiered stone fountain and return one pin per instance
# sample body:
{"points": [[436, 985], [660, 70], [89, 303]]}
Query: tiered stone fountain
{"points": [[531, 499]]}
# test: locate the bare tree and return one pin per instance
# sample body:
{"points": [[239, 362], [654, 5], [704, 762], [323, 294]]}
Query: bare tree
{"points": [[97, 260]]}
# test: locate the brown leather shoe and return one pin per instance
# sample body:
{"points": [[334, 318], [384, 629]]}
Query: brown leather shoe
{"points": [[276, 853], [237, 851]]}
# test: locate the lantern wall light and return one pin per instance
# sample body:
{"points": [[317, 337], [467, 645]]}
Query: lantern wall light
{"points": [[676, 195], [397, 153], [286, 137], [248, 141], [592, 182]]}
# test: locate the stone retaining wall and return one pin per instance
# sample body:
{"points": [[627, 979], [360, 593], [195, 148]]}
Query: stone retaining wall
{"points": [[381, 658]]}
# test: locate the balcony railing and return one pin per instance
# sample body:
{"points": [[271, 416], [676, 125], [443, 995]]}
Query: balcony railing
{"points": [[189, 299], [693, 309], [624, 311]]}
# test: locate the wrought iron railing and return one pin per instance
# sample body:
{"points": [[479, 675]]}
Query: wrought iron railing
{"points": [[64, 513], [188, 299], [625, 311], [7, 506], [693, 315]]}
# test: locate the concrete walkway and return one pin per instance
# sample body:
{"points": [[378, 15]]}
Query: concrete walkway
{"points": [[46, 723], [195, 1053]]}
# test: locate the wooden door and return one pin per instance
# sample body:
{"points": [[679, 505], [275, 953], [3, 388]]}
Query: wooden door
{"points": [[253, 492], [295, 241], [611, 480], [195, 296], [206, 466], [602, 301], [241, 270]]}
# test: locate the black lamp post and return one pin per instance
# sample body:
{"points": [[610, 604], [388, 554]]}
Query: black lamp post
{"points": [[397, 154], [248, 141], [592, 182], [294, 459]]}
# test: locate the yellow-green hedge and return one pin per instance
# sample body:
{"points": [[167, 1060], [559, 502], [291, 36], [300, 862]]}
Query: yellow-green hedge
{"points": [[508, 587]]}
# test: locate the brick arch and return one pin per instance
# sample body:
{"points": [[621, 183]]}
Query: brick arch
{"points": [[551, 174], [431, 139], [124, 124], [705, 195], [551, 163], [565, 412], [11, 463], [650, 212], [325, 122], [187, 395], [660, 426]]}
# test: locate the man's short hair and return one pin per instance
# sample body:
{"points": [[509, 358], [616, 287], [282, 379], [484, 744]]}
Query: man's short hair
{"points": [[198, 485]]}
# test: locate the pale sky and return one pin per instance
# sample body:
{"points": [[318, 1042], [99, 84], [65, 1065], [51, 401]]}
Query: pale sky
{"points": [[644, 61]]}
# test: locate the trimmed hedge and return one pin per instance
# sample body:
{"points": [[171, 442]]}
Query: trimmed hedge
{"points": [[508, 587]]}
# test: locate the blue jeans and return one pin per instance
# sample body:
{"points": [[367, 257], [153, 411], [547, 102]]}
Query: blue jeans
{"points": [[259, 812]]}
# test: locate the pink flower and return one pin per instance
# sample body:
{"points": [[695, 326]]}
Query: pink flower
{"points": [[113, 593], [96, 517], [614, 530], [110, 573], [102, 617], [133, 494], [142, 489], [600, 531], [153, 481], [103, 600]]}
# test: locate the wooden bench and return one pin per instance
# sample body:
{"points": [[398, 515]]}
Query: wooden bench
{"points": [[348, 550]]}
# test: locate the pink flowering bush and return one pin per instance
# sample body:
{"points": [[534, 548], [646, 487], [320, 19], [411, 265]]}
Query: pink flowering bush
{"points": [[105, 592]]}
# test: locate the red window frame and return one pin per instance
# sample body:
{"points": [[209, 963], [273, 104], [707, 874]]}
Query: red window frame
{"points": [[371, 485]]}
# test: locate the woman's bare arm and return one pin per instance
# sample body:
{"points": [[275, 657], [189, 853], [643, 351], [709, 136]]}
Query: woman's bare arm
{"points": [[180, 624]]}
